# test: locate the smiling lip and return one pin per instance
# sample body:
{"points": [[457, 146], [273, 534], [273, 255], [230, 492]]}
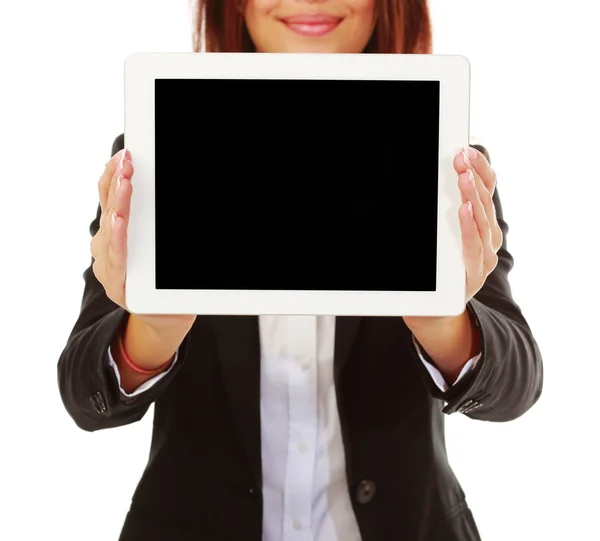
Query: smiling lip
{"points": [[312, 25]]}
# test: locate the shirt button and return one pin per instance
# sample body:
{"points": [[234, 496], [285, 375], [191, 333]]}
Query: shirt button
{"points": [[297, 524], [365, 492], [305, 365], [302, 447]]}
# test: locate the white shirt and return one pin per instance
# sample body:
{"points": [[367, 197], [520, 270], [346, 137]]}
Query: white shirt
{"points": [[305, 491]]}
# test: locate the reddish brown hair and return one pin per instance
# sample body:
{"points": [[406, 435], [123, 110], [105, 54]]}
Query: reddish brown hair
{"points": [[403, 26]]}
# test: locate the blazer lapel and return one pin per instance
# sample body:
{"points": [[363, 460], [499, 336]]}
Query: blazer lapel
{"points": [[238, 343], [346, 329]]}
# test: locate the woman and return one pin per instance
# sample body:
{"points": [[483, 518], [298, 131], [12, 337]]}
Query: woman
{"points": [[301, 428]]}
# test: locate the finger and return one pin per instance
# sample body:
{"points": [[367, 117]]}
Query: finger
{"points": [[468, 184], [104, 182], [123, 170], [97, 268], [462, 161], [103, 185], [117, 259], [96, 249], [476, 161], [118, 166], [107, 176], [472, 248], [95, 246], [116, 242], [471, 189], [123, 199], [490, 210]]}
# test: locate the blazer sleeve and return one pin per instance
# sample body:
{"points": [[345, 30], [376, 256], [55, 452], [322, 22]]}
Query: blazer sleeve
{"points": [[507, 380], [87, 383]]}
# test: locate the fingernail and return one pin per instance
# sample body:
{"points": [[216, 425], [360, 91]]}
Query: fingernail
{"points": [[472, 153], [123, 154], [471, 177], [113, 219], [118, 187], [470, 208], [465, 158]]}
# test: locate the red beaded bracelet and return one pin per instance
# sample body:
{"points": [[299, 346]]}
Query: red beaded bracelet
{"points": [[138, 369]]}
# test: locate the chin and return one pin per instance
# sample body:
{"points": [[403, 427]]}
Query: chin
{"points": [[313, 50], [312, 46]]}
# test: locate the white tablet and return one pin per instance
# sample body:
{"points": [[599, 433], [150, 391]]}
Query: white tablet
{"points": [[295, 183]]}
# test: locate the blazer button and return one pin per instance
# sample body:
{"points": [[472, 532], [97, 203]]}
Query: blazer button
{"points": [[98, 402], [365, 491]]}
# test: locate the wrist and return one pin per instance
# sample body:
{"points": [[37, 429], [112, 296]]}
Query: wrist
{"points": [[424, 326], [151, 346], [135, 368], [161, 326], [449, 342]]}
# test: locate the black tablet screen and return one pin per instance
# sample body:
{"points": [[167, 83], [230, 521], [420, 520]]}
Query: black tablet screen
{"points": [[296, 184]]}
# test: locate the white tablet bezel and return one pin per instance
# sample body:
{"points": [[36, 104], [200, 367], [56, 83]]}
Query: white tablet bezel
{"points": [[141, 70]]}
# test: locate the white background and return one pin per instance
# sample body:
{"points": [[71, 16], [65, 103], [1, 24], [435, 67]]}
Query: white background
{"points": [[535, 65]]}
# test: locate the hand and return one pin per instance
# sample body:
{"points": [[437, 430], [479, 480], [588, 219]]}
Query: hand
{"points": [[109, 245], [480, 232]]}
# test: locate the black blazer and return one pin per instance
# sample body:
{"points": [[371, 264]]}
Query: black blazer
{"points": [[203, 478]]}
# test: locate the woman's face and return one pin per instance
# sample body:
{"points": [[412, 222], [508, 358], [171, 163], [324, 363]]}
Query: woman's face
{"points": [[310, 26]]}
